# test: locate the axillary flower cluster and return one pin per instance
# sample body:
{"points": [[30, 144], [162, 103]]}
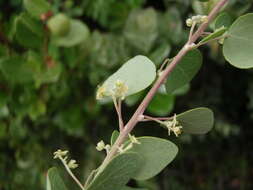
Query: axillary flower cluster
{"points": [[118, 91], [198, 19], [62, 155], [173, 126], [121, 149]]}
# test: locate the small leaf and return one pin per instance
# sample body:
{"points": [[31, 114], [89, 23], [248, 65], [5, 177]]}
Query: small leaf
{"points": [[196, 121], [184, 72], [161, 105], [77, 34], [117, 173], [238, 45], [114, 136], [36, 7], [28, 31], [217, 33], [223, 20], [129, 73], [54, 180], [156, 154], [161, 53]]}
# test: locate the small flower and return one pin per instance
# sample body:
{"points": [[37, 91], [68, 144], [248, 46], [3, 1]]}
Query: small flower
{"points": [[100, 145], [204, 19], [72, 164], [101, 93], [177, 130], [173, 126], [120, 89], [133, 139], [198, 19], [189, 22], [59, 153]]}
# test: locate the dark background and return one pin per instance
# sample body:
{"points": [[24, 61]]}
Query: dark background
{"points": [[34, 122]]}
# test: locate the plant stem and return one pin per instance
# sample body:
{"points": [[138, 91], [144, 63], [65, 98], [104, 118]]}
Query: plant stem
{"points": [[140, 110], [149, 118], [117, 105]]}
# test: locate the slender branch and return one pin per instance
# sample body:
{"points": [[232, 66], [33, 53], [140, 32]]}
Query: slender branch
{"points": [[71, 173], [153, 119], [149, 118], [140, 110], [210, 18], [117, 106], [192, 30]]}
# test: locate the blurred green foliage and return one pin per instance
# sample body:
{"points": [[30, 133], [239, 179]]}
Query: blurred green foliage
{"points": [[47, 93]]}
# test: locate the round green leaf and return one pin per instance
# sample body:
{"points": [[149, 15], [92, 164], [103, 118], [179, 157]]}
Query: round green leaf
{"points": [[238, 45], [223, 20], [184, 72], [36, 7], [137, 74], [117, 173], [78, 33], [196, 121], [161, 104], [54, 180], [28, 31], [156, 154]]}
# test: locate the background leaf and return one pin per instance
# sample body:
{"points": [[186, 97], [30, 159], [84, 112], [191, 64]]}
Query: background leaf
{"points": [[161, 105], [184, 71], [238, 45], [78, 33], [224, 19], [28, 31], [36, 7], [196, 121]]}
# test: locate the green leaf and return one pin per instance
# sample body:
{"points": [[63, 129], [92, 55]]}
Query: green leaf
{"points": [[36, 7], [223, 20], [17, 70], [117, 173], [49, 74], [217, 33], [141, 29], [77, 34], [161, 104], [28, 31], [161, 53], [114, 136], [54, 180], [238, 45], [184, 71], [129, 73], [156, 154], [196, 121]]}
